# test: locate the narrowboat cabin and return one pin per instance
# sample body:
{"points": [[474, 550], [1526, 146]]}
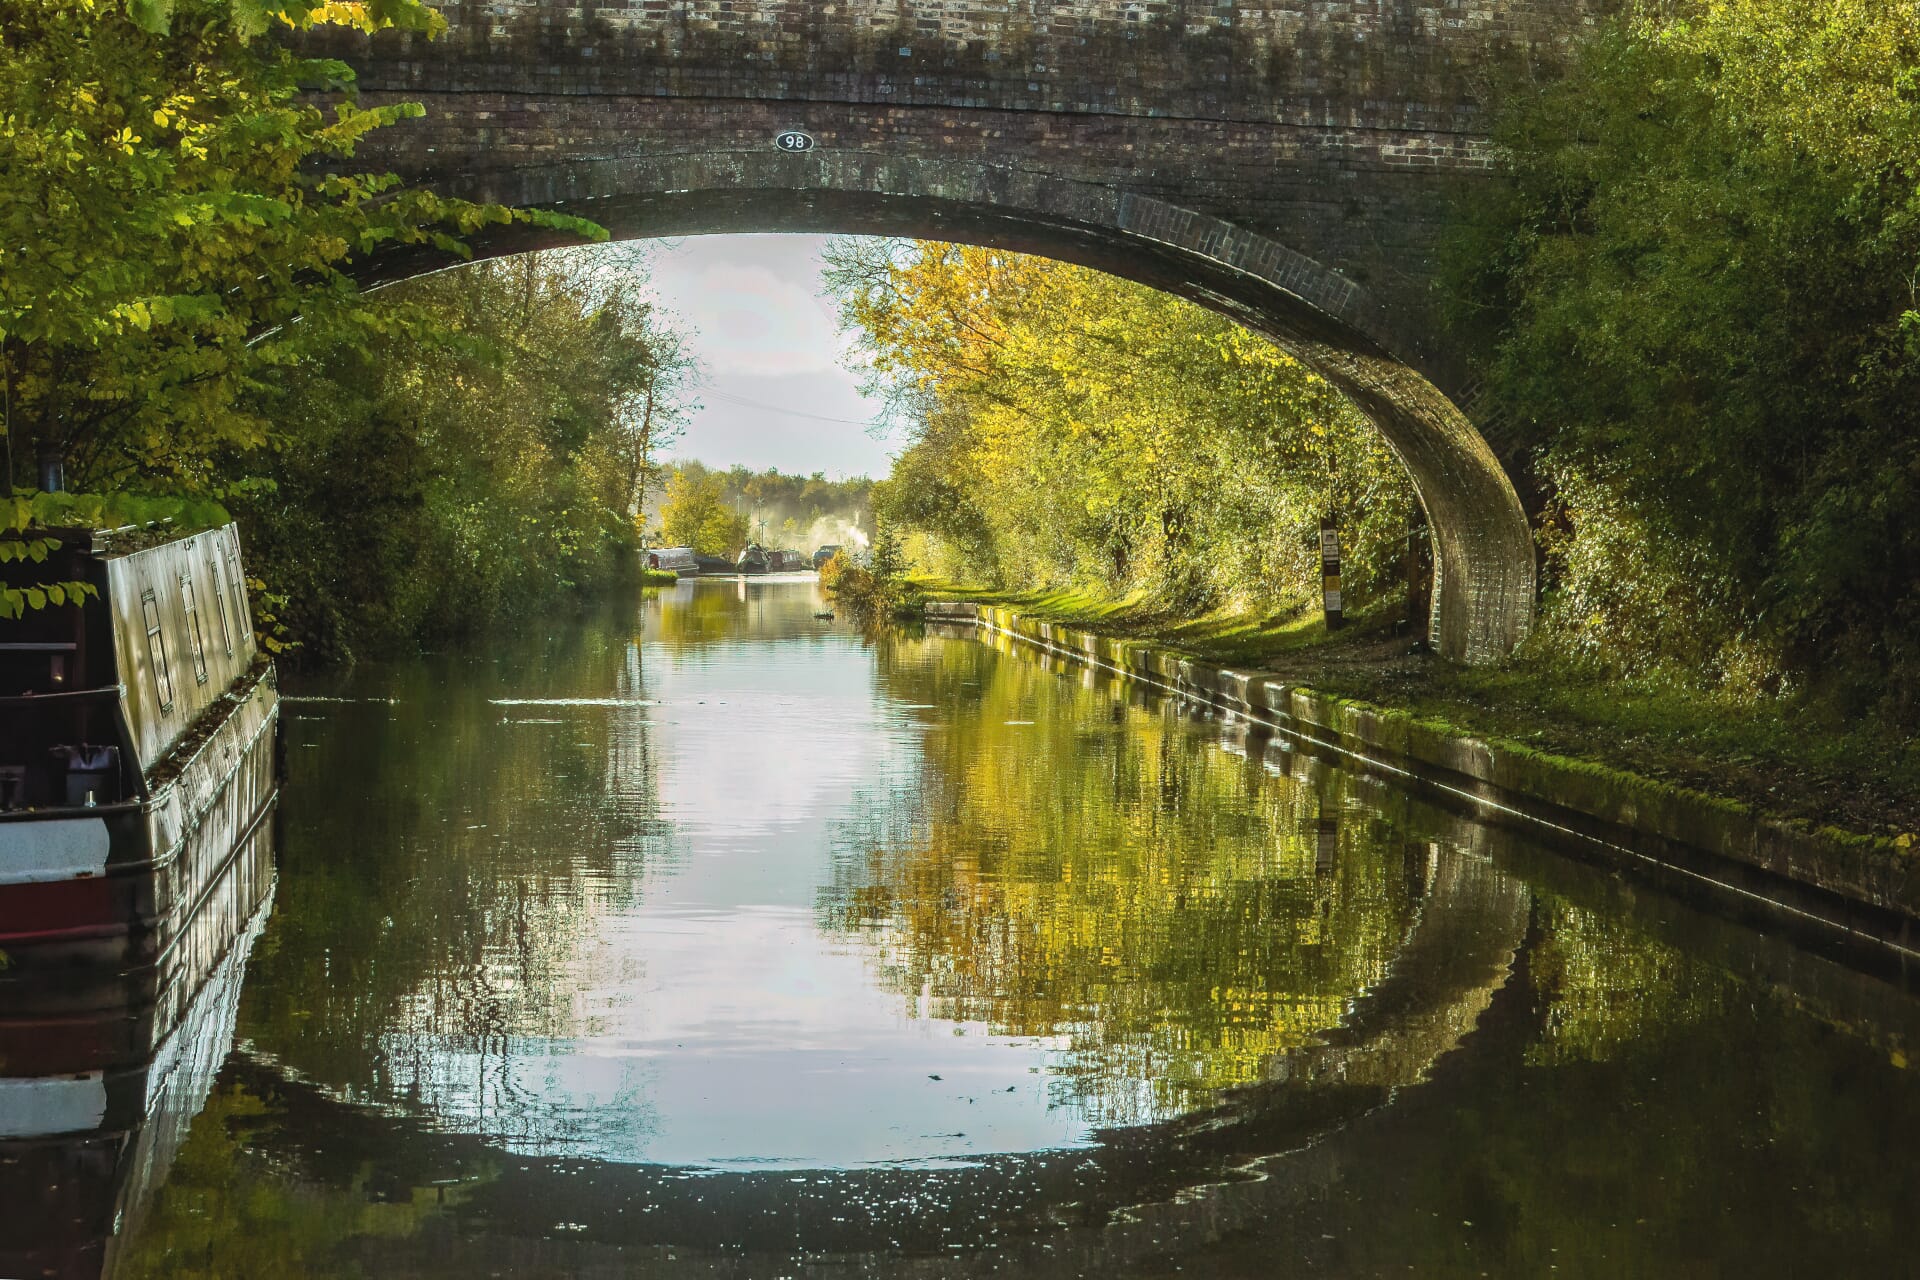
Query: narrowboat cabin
{"points": [[676, 560], [136, 748], [753, 559]]}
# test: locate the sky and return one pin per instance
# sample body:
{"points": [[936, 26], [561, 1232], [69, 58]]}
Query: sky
{"points": [[766, 338]]}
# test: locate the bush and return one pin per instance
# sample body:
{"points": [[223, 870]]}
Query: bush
{"points": [[873, 592]]}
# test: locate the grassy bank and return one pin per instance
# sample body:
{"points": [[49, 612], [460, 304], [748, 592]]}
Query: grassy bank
{"points": [[1786, 757]]}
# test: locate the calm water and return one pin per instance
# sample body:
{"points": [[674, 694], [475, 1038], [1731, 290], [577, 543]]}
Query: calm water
{"points": [[702, 938]]}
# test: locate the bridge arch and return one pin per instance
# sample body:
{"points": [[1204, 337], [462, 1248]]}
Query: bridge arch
{"points": [[1484, 562]]}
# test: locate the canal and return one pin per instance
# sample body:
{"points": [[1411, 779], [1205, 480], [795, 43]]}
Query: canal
{"points": [[702, 937]]}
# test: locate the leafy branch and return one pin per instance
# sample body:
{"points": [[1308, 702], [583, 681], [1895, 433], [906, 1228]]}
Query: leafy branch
{"points": [[26, 517]]}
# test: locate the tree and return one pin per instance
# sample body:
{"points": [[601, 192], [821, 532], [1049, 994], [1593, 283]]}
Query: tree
{"points": [[695, 515], [655, 413], [1070, 428], [178, 226], [182, 198], [469, 470], [1698, 296]]}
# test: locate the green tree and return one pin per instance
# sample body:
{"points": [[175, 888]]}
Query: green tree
{"points": [[478, 467], [695, 514], [1697, 293], [1070, 428], [175, 199]]}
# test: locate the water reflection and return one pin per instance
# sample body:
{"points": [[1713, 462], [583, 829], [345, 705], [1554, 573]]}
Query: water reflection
{"points": [[707, 938], [1168, 918], [101, 1076]]}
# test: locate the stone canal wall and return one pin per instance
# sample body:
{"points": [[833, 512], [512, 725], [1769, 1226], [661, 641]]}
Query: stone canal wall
{"points": [[1823, 873]]}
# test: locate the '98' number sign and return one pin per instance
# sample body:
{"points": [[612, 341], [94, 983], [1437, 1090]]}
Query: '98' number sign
{"points": [[794, 141]]}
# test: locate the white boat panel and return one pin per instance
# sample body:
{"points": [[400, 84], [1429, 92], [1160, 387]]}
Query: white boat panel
{"points": [[39, 1106], [53, 849]]}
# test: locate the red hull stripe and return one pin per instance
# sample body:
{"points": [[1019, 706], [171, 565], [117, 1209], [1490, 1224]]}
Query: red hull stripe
{"points": [[57, 910]]}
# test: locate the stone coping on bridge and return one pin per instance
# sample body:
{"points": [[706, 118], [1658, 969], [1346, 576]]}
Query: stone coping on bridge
{"points": [[1726, 844]]}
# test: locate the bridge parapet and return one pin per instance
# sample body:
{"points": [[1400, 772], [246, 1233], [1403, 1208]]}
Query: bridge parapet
{"points": [[1309, 63]]}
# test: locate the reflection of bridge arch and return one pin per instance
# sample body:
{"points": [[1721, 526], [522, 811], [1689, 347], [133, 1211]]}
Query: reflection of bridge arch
{"points": [[1075, 1201], [1484, 551], [1443, 979]]}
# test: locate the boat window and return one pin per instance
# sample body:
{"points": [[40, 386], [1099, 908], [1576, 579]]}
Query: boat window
{"points": [[157, 651], [237, 586], [194, 637], [220, 607]]}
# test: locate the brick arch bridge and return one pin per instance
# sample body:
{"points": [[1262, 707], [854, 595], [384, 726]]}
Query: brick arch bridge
{"points": [[1289, 163]]}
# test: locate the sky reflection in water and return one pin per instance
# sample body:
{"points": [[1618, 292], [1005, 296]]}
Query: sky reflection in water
{"points": [[741, 887]]}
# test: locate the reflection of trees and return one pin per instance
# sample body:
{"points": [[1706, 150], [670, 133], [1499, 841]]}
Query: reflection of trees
{"points": [[697, 614], [732, 611], [1606, 985], [630, 798], [1107, 876], [446, 856], [230, 1210]]}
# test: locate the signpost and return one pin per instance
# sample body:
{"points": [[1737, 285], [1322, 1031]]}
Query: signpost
{"points": [[1330, 572]]}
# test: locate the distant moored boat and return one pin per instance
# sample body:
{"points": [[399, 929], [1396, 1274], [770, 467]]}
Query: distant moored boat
{"points": [[680, 560]]}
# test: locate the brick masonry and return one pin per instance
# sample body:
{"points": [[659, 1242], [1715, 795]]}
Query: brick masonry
{"points": [[1291, 162]]}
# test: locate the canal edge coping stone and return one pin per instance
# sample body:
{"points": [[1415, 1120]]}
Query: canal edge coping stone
{"points": [[1864, 869]]}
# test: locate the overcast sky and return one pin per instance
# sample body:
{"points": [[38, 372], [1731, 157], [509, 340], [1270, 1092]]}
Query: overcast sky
{"points": [[752, 308]]}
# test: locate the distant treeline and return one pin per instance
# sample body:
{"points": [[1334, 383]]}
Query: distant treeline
{"points": [[719, 512]]}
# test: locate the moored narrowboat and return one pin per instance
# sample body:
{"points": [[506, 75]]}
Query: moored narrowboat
{"points": [[136, 749], [675, 560]]}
